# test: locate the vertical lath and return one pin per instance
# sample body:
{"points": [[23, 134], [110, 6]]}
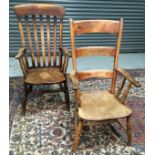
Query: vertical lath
{"points": [[126, 92], [121, 86], [60, 41], [55, 40], [72, 45], [30, 41], [117, 55], [48, 41], [22, 36], [42, 40], [36, 40]]}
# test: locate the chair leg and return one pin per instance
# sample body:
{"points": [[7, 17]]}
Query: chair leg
{"points": [[61, 87], [129, 130], [30, 88], [77, 136], [24, 99], [66, 95], [75, 120]]}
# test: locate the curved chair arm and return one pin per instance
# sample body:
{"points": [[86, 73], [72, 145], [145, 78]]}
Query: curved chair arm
{"points": [[132, 81], [75, 86], [23, 61], [74, 80], [21, 53], [129, 77], [64, 52]]}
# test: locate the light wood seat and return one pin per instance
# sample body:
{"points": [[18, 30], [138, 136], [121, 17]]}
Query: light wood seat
{"points": [[94, 108], [44, 76], [101, 106]]}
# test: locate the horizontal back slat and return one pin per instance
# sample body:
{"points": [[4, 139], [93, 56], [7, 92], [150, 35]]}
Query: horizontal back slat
{"points": [[94, 74], [39, 9], [96, 26], [95, 51]]}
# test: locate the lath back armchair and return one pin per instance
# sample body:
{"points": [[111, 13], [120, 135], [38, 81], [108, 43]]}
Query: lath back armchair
{"points": [[95, 108], [42, 57]]}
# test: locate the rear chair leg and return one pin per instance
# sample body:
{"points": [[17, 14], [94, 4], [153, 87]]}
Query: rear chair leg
{"points": [[24, 101], [77, 136], [66, 95], [75, 120], [129, 130]]}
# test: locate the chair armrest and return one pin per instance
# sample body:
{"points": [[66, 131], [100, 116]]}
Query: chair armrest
{"points": [[64, 52], [74, 80], [129, 77], [20, 53], [23, 61], [75, 87], [131, 82]]}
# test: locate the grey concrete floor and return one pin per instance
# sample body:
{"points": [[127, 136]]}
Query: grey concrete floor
{"points": [[126, 61]]}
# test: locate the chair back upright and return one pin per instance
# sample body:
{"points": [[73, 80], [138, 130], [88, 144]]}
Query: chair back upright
{"points": [[38, 24], [96, 26]]}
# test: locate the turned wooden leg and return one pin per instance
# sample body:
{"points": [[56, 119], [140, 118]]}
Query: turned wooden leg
{"points": [[24, 99], [30, 88], [77, 136], [66, 95], [129, 130], [75, 120], [61, 87]]}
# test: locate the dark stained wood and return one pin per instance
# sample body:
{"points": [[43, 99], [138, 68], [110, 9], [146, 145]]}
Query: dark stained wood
{"points": [[94, 74], [39, 9], [96, 26], [42, 71], [95, 51], [36, 40]]}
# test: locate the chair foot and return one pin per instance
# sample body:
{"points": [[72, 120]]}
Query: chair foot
{"points": [[24, 105], [75, 120], [24, 101], [66, 95], [77, 136], [129, 130]]}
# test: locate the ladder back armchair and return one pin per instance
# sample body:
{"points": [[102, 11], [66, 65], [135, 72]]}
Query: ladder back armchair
{"points": [[95, 108], [42, 57]]}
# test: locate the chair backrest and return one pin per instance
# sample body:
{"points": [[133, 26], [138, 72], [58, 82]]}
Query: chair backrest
{"points": [[36, 31], [96, 26]]}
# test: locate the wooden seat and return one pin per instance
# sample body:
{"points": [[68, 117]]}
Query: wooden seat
{"points": [[101, 106], [95, 108], [42, 58], [44, 76]]}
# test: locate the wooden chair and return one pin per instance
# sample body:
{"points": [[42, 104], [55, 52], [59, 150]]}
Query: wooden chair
{"points": [[103, 106], [38, 23]]}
